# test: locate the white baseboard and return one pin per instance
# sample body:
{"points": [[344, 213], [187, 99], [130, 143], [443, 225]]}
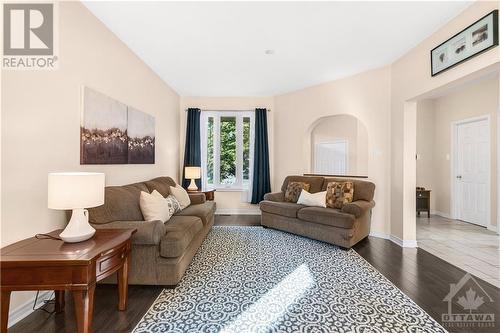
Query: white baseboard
{"points": [[437, 212], [24, 310], [493, 228], [394, 239], [379, 234], [237, 211], [403, 243]]}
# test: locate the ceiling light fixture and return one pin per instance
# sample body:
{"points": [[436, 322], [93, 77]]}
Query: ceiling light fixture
{"points": [[269, 51]]}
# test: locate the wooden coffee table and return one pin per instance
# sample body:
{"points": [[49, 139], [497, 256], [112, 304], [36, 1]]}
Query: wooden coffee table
{"points": [[47, 264]]}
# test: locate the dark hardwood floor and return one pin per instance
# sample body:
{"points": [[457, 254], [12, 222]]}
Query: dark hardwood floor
{"points": [[423, 277]]}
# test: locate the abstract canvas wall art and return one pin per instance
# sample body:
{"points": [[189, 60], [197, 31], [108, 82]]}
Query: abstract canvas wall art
{"points": [[141, 137], [114, 133]]}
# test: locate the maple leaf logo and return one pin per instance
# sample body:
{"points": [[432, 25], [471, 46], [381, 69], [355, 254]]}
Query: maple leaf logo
{"points": [[471, 301]]}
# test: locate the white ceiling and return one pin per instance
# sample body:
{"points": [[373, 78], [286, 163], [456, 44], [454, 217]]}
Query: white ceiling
{"points": [[218, 49]]}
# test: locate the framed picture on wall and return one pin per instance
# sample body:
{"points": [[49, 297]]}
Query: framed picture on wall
{"points": [[473, 40]]}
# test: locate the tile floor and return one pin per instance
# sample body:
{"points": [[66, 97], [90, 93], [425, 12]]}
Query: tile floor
{"points": [[472, 248]]}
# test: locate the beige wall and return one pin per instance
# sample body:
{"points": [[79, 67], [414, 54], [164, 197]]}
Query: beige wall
{"points": [[472, 100], [410, 81], [41, 121], [230, 202], [365, 96]]}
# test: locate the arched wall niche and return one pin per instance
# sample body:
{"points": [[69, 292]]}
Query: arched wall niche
{"points": [[337, 144]]}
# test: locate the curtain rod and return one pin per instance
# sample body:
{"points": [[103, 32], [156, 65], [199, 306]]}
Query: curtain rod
{"points": [[207, 110]]}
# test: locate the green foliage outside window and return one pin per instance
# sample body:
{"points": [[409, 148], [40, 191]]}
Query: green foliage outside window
{"points": [[246, 148], [227, 150], [210, 151], [227, 163]]}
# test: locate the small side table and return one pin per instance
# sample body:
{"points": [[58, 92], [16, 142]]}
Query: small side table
{"points": [[209, 193], [47, 264], [424, 202]]}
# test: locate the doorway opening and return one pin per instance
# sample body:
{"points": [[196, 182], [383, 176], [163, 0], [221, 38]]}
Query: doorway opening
{"points": [[456, 176]]}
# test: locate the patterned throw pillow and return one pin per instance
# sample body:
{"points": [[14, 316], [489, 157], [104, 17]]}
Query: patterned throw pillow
{"points": [[173, 204], [339, 194], [293, 191]]}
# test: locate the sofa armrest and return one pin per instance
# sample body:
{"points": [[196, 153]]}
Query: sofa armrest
{"points": [[197, 198], [276, 196], [148, 232], [358, 207]]}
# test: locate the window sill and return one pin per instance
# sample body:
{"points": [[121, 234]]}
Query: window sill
{"points": [[230, 189]]}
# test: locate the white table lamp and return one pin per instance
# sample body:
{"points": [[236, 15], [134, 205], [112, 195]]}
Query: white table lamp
{"points": [[192, 173], [76, 191]]}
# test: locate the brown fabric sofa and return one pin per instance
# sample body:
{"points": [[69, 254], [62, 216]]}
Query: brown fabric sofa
{"points": [[343, 227], [161, 252]]}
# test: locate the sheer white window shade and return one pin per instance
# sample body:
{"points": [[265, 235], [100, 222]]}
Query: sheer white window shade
{"points": [[227, 140], [331, 158]]}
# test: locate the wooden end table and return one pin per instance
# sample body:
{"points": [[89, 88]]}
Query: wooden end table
{"points": [[209, 193], [47, 264], [423, 202]]}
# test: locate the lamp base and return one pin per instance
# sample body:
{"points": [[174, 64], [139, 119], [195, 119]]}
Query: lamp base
{"points": [[78, 228], [192, 186]]}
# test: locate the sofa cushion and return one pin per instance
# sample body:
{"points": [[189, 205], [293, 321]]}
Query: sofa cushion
{"points": [[363, 190], [161, 184], [121, 203], [338, 194], [294, 189], [288, 209], [204, 211], [327, 216], [315, 182], [179, 232]]}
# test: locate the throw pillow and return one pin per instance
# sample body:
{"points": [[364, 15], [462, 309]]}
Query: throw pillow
{"points": [[181, 195], [312, 199], [293, 190], [173, 204], [154, 207], [339, 194]]}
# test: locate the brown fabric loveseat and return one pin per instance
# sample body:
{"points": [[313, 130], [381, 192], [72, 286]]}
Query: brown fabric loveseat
{"points": [[161, 252], [343, 227]]}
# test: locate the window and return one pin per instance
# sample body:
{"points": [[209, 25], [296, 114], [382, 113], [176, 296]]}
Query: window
{"points": [[227, 149], [331, 158]]}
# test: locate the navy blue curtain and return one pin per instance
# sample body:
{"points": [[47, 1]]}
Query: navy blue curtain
{"points": [[261, 178], [192, 151]]}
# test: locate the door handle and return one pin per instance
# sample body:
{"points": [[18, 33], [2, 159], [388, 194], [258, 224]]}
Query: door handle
{"points": [[459, 177]]}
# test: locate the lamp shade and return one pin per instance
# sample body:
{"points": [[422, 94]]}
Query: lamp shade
{"points": [[72, 190], [192, 172]]}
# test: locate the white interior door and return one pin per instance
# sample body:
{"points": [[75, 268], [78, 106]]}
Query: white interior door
{"points": [[472, 171], [331, 158]]}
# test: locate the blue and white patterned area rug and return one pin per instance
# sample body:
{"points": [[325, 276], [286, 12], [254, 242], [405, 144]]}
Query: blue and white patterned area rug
{"points": [[251, 279]]}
